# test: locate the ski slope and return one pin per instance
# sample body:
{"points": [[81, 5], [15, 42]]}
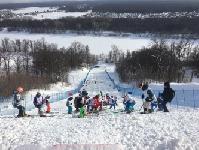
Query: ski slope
{"points": [[177, 130]]}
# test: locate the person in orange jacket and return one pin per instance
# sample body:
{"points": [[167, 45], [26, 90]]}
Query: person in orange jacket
{"points": [[48, 110]]}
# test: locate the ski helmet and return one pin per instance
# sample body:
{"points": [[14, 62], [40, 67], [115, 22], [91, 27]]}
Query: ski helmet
{"points": [[38, 94], [47, 97], [20, 89]]}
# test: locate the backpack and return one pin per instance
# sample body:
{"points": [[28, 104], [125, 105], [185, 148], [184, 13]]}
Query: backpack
{"points": [[38, 101], [170, 95], [150, 96], [16, 100]]}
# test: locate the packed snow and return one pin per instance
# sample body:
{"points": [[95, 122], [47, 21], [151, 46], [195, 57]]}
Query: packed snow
{"points": [[176, 130]]}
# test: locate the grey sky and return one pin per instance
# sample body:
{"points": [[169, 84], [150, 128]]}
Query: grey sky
{"points": [[21, 1], [28, 1]]}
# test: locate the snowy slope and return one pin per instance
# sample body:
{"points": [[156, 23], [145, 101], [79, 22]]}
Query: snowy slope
{"points": [[177, 130]]}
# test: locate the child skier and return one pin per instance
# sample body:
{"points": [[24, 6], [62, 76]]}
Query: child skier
{"points": [[69, 105], [112, 102], [82, 111], [89, 104], [96, 103], [39, 103], [148, 96], [48, 110], [129, 104]]}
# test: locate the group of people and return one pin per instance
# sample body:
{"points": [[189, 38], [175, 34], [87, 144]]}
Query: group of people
{"points": [[39, 103], [85, 104], [150, 102]]}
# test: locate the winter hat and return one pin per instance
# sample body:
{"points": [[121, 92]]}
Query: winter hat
{"points": [[47, 97], [167, 84], [38, 94], [70, 98], [145, 87]]}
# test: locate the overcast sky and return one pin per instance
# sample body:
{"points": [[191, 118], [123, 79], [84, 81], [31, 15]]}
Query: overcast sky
{"points": [[21, 1], [28, 1]]}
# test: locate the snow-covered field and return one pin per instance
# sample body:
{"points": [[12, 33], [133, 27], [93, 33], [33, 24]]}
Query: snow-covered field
{"points": [[58, 15], [33, 9], [177, 130], [39, 13], [97, 44]]}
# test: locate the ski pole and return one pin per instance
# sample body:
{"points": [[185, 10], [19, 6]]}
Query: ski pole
{"points": [[141, 107]]}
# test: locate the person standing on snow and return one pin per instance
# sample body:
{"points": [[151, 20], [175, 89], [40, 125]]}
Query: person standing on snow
{"points": [[69, 105], [78, 102], [89, 103], [129, 104], [112, 102], [19, 102], [47, 99], [84, 93], [147, 96], [167, 96], [39, 103]]}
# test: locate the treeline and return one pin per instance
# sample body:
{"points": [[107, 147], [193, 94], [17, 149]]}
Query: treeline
{"points": [[183, 25], [128, 6], [34, 64], [160, 62]]}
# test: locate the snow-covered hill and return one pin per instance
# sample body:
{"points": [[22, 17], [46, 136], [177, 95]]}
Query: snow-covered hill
{"points": [[176, 130]]}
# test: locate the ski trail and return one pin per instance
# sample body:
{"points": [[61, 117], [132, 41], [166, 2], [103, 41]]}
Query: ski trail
{"points": [[98, 81]]}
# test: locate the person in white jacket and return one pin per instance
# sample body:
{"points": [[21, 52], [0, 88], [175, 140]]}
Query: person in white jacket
{"points": [[148, 97], [19, 102]]}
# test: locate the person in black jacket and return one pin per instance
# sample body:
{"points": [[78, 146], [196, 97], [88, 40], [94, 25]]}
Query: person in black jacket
{"points": [[167, 96]]}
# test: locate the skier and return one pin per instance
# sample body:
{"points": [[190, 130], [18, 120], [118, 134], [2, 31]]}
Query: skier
{"points": [[96, 103], [89, 104], [84, 93], [115, 98], [69, 105], [129, 104], [147, 96], [82, 112], [167, 96], [107, 99], [78, 102], [19, 102], [39, 103], [112, 102], [47, 104]]}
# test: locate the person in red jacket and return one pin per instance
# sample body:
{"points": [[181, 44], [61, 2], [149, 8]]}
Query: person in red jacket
{"points": [[96, 102]]}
